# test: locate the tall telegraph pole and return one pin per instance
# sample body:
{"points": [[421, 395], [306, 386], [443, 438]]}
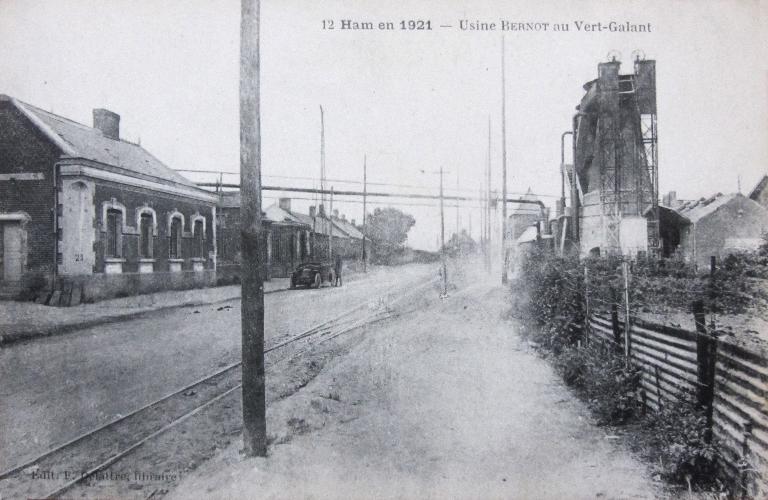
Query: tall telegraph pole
{"points": [[330, 229], [365, 196], [503, 168], [322, 157], [487, 227], [442, 236], [252, 315], [458, 222]]}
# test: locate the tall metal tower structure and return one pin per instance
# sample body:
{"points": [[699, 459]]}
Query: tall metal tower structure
{"points": [[616, 159]]}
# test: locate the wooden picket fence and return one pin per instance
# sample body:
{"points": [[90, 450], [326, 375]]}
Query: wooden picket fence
{"points": [[731, 382]]}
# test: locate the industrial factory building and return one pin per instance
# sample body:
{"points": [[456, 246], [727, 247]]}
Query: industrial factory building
{"points": [[614, 179]]}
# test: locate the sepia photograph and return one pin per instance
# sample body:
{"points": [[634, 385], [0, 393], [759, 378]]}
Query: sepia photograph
{"points": [[434, 249]]}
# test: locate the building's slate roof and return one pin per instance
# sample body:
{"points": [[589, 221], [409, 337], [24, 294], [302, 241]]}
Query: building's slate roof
{"points": [[525, 208], [528, 235], [229, 199], [89, 143], [761, 186], [280, 216], [348, 228], [697, 209]]}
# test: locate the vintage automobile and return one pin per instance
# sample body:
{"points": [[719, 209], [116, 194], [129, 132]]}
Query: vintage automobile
{"points": [[313, 274]]}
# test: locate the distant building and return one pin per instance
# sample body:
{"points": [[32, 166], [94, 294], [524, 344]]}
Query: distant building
{"points": [[291, 238], [88, 215], [760, 192], [522, 215], [352, 246], [289, 241], [715, 226]]}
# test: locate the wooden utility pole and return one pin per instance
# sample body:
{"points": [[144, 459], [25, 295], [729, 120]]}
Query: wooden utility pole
{"points": [[503, 168], [458, 222], [482, 221], [442, 236], [322, 156], [252, 315], [330, 229], [365, 196], [488, 203]]}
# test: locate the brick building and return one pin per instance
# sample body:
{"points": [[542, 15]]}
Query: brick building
{"points": [[716, 226], [291, 238], [86, 215], [287, 239]]}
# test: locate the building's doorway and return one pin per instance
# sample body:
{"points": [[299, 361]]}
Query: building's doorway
{"points": [[11, 251]]}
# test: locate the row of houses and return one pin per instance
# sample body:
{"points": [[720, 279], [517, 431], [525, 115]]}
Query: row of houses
{"points": [[87, 213], [291, 237], [689, 230]]}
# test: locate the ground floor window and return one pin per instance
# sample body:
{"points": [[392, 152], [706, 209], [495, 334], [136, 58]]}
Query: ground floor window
{"points": [[199, 239], [175, 243], [145, 235], [114, 232]]}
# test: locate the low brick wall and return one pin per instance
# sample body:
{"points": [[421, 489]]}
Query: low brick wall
{"points": [[108, 286]]}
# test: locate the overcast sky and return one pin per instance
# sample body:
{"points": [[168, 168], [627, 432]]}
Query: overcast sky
{"points": [[411, 101]]}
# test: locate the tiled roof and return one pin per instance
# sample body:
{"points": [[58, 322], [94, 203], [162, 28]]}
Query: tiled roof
{"points": [[528, 235], [525, 208], [277, 214], [695, 210], [759, 188], [89, 143], [229, 199], [348, 228]]}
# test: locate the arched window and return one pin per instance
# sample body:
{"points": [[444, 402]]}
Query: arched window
{"points": [[199, 232], [114, 223], [175, 237], [146, 226]]}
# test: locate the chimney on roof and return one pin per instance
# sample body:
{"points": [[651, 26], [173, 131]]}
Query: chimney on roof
{"points": [[343, 217], [321, 210], [312, 211], [335, 213], [107, 122], [670, 199], [352, 221], [285, 204]]}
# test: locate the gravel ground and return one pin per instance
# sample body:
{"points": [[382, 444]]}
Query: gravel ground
{"points": [[444, 402]]}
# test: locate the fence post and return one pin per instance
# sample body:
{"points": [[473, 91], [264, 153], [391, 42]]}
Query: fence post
{"points": [[744, 466], [706, 358], [615, 317], [627, 322], [586, 305], [712, 291]]}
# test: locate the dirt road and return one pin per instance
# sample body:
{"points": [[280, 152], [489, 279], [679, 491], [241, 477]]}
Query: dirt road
{"points": [[56, 388], [444, 402]]}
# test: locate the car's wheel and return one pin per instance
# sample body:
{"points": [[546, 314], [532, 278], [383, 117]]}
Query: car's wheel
{"points": [[317, 281]]}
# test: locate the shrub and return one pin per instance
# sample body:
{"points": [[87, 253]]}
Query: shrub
{"points": [[602, 378], [612, 388], [677, 437]]}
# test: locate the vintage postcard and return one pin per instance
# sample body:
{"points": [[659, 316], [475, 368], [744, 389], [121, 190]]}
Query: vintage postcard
{"points": [[332, 249]]}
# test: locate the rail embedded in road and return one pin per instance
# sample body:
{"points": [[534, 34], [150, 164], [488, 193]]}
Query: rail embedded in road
{"points": [[131, 431]]}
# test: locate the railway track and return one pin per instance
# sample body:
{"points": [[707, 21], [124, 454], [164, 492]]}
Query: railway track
{"points": [[59, 470]]}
